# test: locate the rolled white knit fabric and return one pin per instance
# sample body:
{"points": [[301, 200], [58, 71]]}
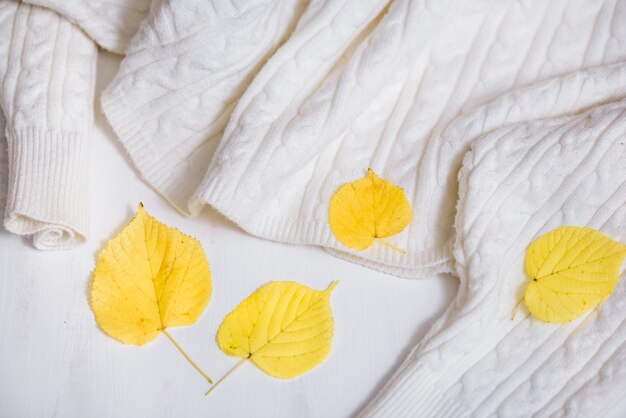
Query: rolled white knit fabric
{"points": [[47, 65], [48, 70], [517, 183]]}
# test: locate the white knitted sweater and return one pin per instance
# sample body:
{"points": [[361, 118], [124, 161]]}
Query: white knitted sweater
{"points": [[354, 86], [47, 73]]}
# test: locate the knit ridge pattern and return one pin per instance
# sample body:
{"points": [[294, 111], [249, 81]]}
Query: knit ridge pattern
{"points": [[47, 73]]}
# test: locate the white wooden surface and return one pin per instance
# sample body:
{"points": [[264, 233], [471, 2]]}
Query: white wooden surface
{"points": [[55, 362]]}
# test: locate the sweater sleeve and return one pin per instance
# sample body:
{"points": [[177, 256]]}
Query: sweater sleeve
{"points": [[517, 183], [111, 24], [183, 72], [47, 68]]}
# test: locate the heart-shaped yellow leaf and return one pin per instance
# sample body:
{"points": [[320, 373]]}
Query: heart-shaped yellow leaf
{"points": [[368, 209], [285, 328], [572, 270], [148, 278]]}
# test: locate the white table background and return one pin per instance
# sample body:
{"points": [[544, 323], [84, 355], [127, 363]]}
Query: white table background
{"points": [[55, 362]]}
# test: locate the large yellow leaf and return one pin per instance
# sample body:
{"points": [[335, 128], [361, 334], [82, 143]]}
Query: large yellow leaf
{"points": [[148, 278], [285, 328], [368, 209], [572, 270]]}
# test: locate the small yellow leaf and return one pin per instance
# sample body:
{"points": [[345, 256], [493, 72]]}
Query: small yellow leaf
{"points": [[368, 209], [572, 270], [285, 328], [148, 278]]}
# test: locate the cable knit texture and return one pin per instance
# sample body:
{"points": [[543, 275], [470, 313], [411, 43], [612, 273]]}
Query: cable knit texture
{"points": [[183, 73], [517, 183], [111, 24], [47, 71], [357, 84], [394, 104]]}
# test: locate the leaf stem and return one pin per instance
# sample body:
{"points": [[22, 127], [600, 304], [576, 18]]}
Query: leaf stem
{"points": [[332, 286], [242, 361], [193, 363], [390, 245], [516, 309]]}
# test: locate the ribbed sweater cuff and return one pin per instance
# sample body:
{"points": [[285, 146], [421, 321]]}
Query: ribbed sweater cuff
{"points": [[162, 172], [47, 188]]}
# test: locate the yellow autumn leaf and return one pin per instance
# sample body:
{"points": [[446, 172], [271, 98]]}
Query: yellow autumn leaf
{"points": [[571, 270], [368, 209], [148, 278], [284, 328]]}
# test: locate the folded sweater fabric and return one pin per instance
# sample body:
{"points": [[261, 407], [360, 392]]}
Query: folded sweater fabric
{"points": [[518, 182], [182, 74], [47, 68], [357, 84], [396, 104]]}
